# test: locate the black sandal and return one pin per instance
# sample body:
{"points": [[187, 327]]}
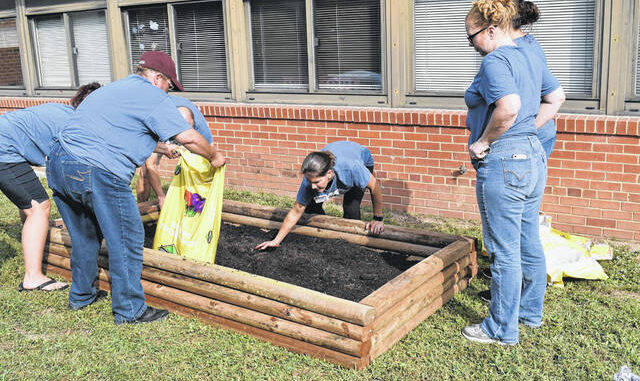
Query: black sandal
{"points": [[41, 287]]}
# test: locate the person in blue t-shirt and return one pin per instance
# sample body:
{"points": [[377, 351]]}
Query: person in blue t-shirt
{"points": [[90, 169], [25, 137], [504, 111], [341, 168], [149, 175], [528, 14]]}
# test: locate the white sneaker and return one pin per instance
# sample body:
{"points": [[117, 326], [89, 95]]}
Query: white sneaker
{"points": [[476, 334]]}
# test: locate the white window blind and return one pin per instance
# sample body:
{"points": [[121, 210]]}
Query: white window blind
{"points": [[444, 61], [53, 61], [279, 38], [148, 31], [91, 47], [202, 58], [348, 44], [10, 67]]}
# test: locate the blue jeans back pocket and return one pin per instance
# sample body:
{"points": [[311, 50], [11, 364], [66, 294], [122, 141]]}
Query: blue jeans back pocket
{"points": [[77, 176], [517, 173]]}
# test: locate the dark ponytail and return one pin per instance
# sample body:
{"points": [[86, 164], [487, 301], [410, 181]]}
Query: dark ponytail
{"points": [[528, 13], [318, 163]]}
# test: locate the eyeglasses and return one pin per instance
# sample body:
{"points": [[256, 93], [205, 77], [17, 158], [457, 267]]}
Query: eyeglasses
{"points": [[171, 86], [470, 37]]}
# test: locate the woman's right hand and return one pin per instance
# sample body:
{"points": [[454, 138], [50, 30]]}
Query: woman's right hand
{"points": [[266, 245]]}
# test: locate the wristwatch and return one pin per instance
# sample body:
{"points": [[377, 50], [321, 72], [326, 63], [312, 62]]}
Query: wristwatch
{"points": [[378, 218]]}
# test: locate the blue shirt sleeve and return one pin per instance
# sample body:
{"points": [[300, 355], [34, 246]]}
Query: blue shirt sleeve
{"points": [[360, 175], [166, 121], [304, 193], [496, 79], [549, 82]]}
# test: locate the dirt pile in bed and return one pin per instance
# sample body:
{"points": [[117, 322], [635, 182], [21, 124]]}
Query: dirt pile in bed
{"points": [[334, 267]]}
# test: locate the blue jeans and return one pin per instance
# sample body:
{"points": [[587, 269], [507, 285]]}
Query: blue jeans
{"points": [[94, 204], [548, 145], [509, 187]]}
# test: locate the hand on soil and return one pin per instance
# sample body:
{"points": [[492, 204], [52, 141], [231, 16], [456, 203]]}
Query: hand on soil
{"points": [[375, 227], [269, 245]]}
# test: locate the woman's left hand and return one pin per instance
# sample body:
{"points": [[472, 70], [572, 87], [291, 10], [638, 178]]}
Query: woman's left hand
{"points": [[375, 227], [479, 149]]}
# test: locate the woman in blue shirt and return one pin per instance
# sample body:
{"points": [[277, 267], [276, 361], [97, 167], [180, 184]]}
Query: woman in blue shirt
{"points": [[504, 102], [25, 139]]}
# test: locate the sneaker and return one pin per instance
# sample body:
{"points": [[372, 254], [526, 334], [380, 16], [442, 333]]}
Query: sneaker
{"points": [[476, 334], [101, 294], [150, 315], [485, 295]]}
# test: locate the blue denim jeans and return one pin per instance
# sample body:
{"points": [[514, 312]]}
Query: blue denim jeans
{"points": [[509, 187], [548, 145], [94, 204]]}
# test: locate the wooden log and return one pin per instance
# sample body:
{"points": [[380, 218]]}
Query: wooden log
{"points": [[274, 338], [378, 243], [420, 297], [398, 288], [294, 295], [391, 232], [239, 314], [384, 340], [239, 298]]}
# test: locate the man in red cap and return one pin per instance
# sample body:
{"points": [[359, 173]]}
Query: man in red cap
{"points": [[91, 164]]}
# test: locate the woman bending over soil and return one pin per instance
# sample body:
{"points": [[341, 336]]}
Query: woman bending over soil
{"points": [[341, 168]]}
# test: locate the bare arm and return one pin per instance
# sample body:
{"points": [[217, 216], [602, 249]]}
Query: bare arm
{"points": [[197, 144], [289, 222], [154, 177], [375, 227], [549, 106], [502, 119], [169, 150]]}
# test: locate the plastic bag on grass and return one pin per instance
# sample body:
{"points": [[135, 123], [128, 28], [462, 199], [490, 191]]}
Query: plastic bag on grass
{"points": [[569, 255], [189, 223]]}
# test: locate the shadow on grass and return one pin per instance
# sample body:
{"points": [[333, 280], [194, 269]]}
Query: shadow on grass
{"points": [[7, 251]]}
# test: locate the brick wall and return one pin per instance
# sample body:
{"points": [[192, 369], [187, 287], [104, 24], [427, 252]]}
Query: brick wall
{"points": [[593, 185], [10, 69]]}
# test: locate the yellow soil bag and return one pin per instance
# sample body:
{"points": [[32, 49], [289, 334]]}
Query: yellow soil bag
{"points": [[189, 223]]}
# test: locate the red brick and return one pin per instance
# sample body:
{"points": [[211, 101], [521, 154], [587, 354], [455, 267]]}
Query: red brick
{"points": [[626, 159]]}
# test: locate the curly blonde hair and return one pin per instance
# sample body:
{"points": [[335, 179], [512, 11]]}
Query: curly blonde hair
{"points": [[493, 12]]}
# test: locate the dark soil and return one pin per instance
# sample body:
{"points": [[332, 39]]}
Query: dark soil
{"points": [[334, 267]]}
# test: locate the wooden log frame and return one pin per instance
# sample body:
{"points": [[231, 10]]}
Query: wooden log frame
{"points": [[302, 320]]}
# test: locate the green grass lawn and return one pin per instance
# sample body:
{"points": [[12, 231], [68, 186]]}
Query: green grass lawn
{"points": [[590, 330]]}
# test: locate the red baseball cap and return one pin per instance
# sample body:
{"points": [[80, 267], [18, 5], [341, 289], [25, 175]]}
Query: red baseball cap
{"points": [[160, 61]]}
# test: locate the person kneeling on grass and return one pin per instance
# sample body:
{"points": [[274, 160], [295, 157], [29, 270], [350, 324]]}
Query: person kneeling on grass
{"points": [[341, 168], [25, 136]]}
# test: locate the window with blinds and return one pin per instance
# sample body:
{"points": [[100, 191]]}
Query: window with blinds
{"points": [[51, 48], [279, 41], [148, 31], [85, 37], [10, 67], [202, 57], [348, 44], [444, 61], [91, 47], [637, 88]]}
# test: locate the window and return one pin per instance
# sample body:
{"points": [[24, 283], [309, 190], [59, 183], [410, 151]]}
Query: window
{"points": [[347, 44], [444, 61], [10, 67], [279, 39], [71, 49], [198, 31]]}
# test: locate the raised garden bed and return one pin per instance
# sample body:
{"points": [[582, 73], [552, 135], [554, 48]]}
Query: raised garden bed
{"points": [[302, 319]]}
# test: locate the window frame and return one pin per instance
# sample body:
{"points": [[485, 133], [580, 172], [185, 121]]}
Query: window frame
{"points": [[64, 11], [455, 100], [312, 94], [631, 99], [207, 94], [15, 90]]}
